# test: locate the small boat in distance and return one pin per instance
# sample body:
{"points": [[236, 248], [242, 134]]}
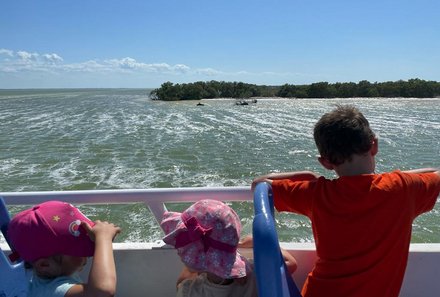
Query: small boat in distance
{"points": [[241, 102], [244, 102]]}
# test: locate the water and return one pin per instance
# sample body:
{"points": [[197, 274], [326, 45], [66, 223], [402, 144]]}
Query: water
{"points": [[118, 139]]}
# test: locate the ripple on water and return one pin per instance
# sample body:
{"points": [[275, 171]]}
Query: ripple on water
{"points": [[110, 139]]}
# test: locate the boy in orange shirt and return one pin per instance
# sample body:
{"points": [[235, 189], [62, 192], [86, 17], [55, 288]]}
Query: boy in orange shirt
{"points": [[361, 221]]}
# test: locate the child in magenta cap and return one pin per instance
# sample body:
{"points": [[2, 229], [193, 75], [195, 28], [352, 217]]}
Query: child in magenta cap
{"points": [[55, 238], [206, 236]]}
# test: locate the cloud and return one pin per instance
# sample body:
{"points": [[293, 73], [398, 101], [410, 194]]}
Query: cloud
{"points": [[208, 72], [32, 63], [90, 66], [6, 52], [181, 68], [131, 64], [27, 57], [11, 61], [52, 58], [125, 63]]}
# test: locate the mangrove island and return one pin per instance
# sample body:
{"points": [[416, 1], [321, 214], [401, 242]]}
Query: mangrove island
{"points": [[412, 88]]}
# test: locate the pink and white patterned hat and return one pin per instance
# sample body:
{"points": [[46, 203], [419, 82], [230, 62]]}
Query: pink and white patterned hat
{"points": [[206, 236]]}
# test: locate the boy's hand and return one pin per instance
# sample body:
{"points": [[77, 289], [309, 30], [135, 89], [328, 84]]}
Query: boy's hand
{"points": [[101, 229], [263, 178]]}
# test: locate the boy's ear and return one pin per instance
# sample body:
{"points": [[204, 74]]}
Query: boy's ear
{"points": [[326, 163], [375, 147]]}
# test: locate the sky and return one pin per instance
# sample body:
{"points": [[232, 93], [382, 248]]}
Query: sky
{"points": [[144, 43]]}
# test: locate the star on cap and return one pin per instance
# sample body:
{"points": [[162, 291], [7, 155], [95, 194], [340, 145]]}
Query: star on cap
{"points": [[56, 218]]}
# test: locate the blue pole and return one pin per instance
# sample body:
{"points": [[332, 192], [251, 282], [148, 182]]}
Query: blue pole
{"points": [[4, 219], [273, 278]]}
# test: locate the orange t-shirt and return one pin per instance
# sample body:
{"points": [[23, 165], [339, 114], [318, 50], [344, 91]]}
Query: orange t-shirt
{"points": [[362, 228]]}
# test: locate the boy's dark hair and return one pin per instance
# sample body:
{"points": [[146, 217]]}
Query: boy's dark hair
{"points": [[341, 133]]}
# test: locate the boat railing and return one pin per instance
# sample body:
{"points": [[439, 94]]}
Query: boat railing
{"points": [[139, 258], [154, 199]]}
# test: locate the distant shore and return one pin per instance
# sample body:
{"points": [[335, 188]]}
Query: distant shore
{"points": [[413, 88]]}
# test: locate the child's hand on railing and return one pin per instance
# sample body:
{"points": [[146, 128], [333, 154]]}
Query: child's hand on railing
{"points": [[246, 242]]}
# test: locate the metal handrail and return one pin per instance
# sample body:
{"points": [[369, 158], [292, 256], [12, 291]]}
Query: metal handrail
{"points": [[273, 277], [154, 199]]}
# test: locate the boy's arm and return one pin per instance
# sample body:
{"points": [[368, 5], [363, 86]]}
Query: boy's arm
{"points": [[102, 276], [424, 170], [293, 175]]}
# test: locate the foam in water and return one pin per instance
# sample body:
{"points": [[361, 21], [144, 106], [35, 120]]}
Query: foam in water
{"points": [[110, 139]]}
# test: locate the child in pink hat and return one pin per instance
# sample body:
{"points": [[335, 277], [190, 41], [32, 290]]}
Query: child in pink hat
{"points": [[55, 239], [206, 236]]}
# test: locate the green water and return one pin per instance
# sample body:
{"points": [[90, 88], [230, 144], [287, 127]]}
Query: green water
{"points": [[119, 139]]}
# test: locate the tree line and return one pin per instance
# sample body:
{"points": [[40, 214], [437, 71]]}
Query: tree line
{"points": [[416, 88]]}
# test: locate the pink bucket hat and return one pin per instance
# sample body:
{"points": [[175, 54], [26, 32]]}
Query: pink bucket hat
{"points": [[48, 229], [206, 236]]}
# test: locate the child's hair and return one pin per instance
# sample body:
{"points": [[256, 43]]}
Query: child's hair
{"points": [[49, 229], [206, 237], [341, 133]]}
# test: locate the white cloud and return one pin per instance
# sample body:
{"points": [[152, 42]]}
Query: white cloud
{"points": [[23, 61], [131, 64], [125, 63], [26, 61], [52, 58], [52, 62], [87, 66], [27, 57], [182, 68], [160, 67], [6, 52], [208, 71]]}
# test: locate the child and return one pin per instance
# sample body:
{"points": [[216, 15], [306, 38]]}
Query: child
{"points": [[206, 237], [55, 238], [361, 221]]}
